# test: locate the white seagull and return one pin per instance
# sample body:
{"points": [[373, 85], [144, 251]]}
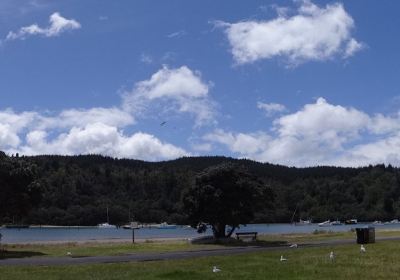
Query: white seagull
{"points": [[69, 254], [216, 269], [294, 245], [332, 256], [362, 249], [283, 259]]}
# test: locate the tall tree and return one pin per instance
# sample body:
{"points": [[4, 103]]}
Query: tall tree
{"points": [[224, 195]]}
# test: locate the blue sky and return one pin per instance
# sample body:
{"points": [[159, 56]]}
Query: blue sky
{"points": [[300, 83]]}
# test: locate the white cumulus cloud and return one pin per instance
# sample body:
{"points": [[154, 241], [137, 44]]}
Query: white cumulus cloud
{"points": [[179, 90], [99, 138], [319, 134], [312, 34], [58, 25], [80, 131]]}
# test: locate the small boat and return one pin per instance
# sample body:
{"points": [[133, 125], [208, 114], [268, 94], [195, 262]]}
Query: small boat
{"points": [[395, 221], [132, 225], [105, 225], [336, 223], [351, 222], [377, 223], [325, 224], [164, 225], [303, 223]]}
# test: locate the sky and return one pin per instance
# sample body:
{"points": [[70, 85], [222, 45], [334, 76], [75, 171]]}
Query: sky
{"points": [[292, 82]]}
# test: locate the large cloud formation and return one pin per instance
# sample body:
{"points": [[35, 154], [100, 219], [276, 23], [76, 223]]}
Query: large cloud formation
{"points": [[79, 131], [319, 134], [100, 130], [313, 34]]}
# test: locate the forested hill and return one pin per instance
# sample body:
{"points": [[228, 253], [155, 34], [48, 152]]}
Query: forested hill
{"points": [[76, 190]]}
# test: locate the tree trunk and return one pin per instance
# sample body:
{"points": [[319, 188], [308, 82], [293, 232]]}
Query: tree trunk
{"points": [[218, 230]]}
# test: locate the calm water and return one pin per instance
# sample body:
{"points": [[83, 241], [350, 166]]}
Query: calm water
{"points": [[92, 234]]}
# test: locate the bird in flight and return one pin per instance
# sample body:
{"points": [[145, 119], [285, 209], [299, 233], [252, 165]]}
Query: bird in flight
{"points": [[163, 123]]}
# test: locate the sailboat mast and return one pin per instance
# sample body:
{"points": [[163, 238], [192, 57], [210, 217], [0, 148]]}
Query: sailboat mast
{"points": [[108, 221]]}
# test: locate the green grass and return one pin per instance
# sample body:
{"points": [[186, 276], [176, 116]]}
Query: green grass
{"points": [[381, 261], [324, 236]]}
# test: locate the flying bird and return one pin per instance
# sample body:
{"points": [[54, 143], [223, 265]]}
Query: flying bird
{"points": [[362, 249], [216, 269], [163, 123], [332, 256], [294, 245], [283, 259]]}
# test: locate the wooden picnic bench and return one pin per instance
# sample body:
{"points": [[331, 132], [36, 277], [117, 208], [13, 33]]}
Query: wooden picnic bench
{"points": [[251, 234]]}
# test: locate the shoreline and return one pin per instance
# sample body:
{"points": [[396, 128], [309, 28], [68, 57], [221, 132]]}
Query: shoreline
{"points": [[100, 241]]}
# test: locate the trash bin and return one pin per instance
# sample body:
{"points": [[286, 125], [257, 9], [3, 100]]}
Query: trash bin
{"points": [[365, 235]]}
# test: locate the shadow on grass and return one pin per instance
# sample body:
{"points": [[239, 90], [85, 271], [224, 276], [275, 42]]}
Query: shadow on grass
{"points": [[259, 243], [19, 254], [232, 242]]}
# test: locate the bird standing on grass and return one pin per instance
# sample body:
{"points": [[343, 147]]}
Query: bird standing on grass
{"points": [[294, 245], [332, 256], [69, 254], [216, 269], [283, 259], [362, 249]]}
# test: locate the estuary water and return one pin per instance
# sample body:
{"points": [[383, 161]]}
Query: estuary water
{"points": [[79, 234]]}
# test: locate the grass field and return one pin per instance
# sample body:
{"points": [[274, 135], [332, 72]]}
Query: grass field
{"points": [[111, 249], [381, 261]]}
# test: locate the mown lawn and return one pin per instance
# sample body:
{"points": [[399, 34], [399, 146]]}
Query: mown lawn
{"points": [[97, 249], [110, 249], [381, 261]]}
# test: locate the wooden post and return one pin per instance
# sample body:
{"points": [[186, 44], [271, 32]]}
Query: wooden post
{"points": [[133, 235]]}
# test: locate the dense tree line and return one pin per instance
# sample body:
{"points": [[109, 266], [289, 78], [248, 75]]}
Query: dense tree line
{"points": [[76, 190]]}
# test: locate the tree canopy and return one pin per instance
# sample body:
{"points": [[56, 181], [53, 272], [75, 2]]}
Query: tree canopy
{"points": [[224, 195]]}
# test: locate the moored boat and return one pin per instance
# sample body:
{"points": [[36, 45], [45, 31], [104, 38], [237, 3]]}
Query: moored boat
{"points": [[325, 224], [351, 222], [335, 223], [165, 225], [303, 223], [105, 225], [132, 225]]}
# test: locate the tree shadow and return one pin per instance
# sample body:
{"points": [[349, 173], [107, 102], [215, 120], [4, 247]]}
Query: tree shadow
{"points": [[233, 242], [5, 254], [257, 243]]}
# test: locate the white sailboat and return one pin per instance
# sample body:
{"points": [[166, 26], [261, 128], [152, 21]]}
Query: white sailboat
{"points": [[106, 225]]}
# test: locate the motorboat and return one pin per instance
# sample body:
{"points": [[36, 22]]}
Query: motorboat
{"points": [[377, 223], [325, 224], [165, 225]]}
